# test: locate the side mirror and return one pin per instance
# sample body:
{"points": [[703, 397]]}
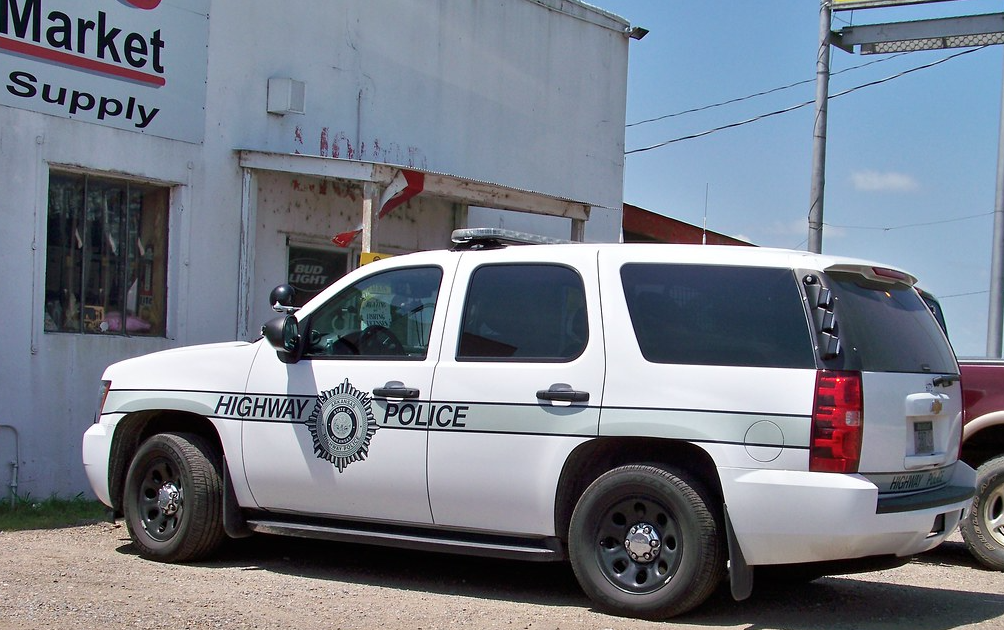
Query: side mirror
{"points": [[283, 333], [281, 299]]}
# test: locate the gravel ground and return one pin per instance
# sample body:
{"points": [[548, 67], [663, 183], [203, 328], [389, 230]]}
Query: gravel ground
{"points": [[90, 577]]}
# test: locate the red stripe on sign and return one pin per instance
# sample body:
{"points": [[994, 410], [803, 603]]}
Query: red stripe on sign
{"points": [[83, 63], [144, 4]]}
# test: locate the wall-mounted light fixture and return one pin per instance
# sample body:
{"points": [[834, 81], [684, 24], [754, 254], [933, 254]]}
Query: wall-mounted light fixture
{"points": [[637, 32]]}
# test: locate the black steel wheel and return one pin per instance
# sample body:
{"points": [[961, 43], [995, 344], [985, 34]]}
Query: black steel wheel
{"points": [[174, 498], [983, 530], [644, 542]]}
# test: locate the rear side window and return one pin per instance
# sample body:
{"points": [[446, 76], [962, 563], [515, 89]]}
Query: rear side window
{"points": [[888, 328], [524, 313], [718, 315]]}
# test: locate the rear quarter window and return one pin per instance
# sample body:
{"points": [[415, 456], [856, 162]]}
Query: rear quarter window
{"points": [[718, 315]]}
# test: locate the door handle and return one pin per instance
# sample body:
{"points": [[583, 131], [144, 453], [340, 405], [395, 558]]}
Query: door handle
{"points": [[562, 392], [395, 389]]}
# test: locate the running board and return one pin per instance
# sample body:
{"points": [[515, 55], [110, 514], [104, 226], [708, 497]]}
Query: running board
{"points": [[464, 543]]}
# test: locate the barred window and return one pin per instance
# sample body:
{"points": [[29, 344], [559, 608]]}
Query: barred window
{"points": [[106, 256]]}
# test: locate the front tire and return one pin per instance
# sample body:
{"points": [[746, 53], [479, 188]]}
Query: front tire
{"points": [[983, 531], [174, 498], [644, 542]]}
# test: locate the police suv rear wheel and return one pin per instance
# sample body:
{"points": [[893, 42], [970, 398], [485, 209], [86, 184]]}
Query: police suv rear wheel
{"points": [[173, 498], [644, 542], [983, 531]]}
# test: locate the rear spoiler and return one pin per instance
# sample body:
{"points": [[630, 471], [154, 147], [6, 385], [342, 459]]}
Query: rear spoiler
{"points": [[875, 274]]}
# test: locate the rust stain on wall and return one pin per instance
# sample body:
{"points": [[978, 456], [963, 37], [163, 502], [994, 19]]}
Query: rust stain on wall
{"points": [[338, 145]]}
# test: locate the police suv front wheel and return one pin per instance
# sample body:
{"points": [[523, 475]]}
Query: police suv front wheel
{"points": [[644, 542], [174, 498]]}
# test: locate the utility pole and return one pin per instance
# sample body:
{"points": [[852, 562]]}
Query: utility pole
{"points": [[819, 131], [995, 317]]}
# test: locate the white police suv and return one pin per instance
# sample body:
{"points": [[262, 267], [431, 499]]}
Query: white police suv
{"points": [[662, 416]]}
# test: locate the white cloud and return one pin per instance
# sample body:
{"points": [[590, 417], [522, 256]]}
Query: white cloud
{"points": [[787, 228], [884, 182], [792, 234]]}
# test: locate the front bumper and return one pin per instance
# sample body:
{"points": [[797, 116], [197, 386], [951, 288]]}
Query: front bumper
{"points": [[97, 446]]}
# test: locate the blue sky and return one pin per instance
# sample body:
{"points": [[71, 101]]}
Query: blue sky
{"points": [[910, 163]]}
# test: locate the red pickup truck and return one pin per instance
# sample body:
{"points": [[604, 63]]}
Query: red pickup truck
{"points": [[983, 449]]}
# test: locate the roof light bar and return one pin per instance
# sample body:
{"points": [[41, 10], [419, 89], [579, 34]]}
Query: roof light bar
{"points": [[469, 236]]}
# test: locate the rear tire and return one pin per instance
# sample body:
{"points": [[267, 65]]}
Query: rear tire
{"points": [[174, 498], [983, 531], [644, 542]]}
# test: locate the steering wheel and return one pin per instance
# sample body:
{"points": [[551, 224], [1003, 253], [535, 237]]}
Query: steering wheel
{"points": [[379, 340]]}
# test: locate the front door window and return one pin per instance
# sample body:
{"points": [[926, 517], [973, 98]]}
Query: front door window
{"points": [[387, 315]]}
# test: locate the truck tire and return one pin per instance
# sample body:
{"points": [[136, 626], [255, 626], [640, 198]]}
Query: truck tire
{"points": [[983, 530], [174, 498], [644, 542]]}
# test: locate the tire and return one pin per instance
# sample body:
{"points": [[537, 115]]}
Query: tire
{"points": [[174, 498], [647, 506], [983, 530]]}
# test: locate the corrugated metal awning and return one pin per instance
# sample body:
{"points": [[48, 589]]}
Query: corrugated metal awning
{"points": [[451, 187]]}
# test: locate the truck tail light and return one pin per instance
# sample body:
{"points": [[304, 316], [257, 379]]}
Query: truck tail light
{"points": [[837, 417]]}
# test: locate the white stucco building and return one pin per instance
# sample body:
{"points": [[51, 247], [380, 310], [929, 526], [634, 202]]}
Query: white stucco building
{"points": [[165, 163]]}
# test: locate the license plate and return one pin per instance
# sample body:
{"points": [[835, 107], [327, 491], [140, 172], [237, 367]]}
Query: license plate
{"points": [[923, 438]]}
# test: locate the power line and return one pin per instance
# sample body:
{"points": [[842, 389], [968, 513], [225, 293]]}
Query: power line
{"points": [[805, 104], [763, 93], [955, 295], [908, 225]]}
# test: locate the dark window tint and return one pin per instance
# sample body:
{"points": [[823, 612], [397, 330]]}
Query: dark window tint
{"points": [[387, 315], [717, 315], [524, 312], [935, 306], [888, 328]]}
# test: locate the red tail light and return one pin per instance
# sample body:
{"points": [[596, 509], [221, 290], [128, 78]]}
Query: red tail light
{"points": [[837, 418]]}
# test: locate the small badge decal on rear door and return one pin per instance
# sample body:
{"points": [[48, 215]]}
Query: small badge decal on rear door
{"points": [[342, 424]]}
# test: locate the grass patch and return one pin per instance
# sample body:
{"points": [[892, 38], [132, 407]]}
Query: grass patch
{"points": [[28, 513]]}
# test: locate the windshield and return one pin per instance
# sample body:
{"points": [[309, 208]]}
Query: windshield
{"points": [[888, 328]]}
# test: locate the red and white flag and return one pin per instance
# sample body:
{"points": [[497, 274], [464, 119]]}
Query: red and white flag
{"points": [[404, 186]]}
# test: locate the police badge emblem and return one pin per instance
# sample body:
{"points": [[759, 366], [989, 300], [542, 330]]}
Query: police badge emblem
{"points": [[342, 425]]}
